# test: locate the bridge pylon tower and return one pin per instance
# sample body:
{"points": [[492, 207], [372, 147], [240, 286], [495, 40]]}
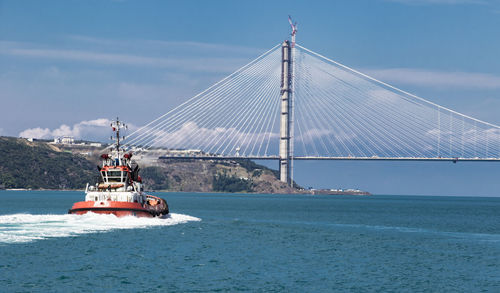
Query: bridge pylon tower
{"points": [[286, 81]]}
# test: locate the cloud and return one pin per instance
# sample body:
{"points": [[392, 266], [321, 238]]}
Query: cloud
{"points": [[37, 132], [97, 129], [441, 79], [168, 45], [313, 134], [187, 56], [218, 140], [192, 64]]}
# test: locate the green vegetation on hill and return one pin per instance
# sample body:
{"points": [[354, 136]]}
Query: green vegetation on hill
{"points": [[256, 168], [37, 165], [225, 183]]}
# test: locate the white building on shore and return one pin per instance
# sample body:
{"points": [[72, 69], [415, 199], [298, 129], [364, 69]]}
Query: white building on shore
{"points": [[64, 140]]}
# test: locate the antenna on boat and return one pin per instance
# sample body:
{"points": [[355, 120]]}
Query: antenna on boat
{"points": [[116, 126]]}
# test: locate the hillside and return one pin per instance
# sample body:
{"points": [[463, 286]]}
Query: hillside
{"points": [[38, 165]]}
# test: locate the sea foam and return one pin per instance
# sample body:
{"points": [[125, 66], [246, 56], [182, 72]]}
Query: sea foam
{"points": [[17, 228]]}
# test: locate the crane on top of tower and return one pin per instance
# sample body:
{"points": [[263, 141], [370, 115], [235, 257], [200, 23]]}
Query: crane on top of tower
{"points": [[294, 29]]}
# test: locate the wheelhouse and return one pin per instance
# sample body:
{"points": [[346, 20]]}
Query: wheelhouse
{"points": [[118, 174]]}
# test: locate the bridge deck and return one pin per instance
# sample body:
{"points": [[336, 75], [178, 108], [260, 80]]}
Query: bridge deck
{"points": [[334, 158]]}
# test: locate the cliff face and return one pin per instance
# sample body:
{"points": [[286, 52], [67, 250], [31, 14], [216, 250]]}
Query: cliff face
{"points": [[208, 176]]}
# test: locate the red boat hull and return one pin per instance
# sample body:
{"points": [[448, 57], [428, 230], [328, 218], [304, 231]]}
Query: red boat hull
{"points": [[117, 208]]}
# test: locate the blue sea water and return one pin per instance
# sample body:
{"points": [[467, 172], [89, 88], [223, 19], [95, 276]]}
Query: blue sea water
{"points": [[257, 243]]}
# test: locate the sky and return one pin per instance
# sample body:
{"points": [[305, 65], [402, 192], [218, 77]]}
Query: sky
{"points": [[67, 67]]}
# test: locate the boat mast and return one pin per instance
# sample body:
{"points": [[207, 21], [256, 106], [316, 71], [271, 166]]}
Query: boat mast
{"points": [[116, 126]]}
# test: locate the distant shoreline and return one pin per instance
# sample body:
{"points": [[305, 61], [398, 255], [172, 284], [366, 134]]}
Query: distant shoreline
{"points": [[39, 189], [305, 192]]}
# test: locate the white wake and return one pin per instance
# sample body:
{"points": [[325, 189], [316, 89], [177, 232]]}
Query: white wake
{"points": [[17, 228]]}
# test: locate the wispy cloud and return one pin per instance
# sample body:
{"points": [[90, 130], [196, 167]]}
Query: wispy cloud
{"points": [[168, 45], [442, 2], [192, 64], [440, 79]]}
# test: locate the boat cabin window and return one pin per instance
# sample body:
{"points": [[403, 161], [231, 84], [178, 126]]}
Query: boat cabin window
{"points": [[115, 176]]}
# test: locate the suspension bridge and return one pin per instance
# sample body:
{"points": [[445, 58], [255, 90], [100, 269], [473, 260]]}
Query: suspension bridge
{"points": [[291, 103]]}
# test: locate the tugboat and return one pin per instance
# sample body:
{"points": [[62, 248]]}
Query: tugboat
{"points": [[120, 189]]}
